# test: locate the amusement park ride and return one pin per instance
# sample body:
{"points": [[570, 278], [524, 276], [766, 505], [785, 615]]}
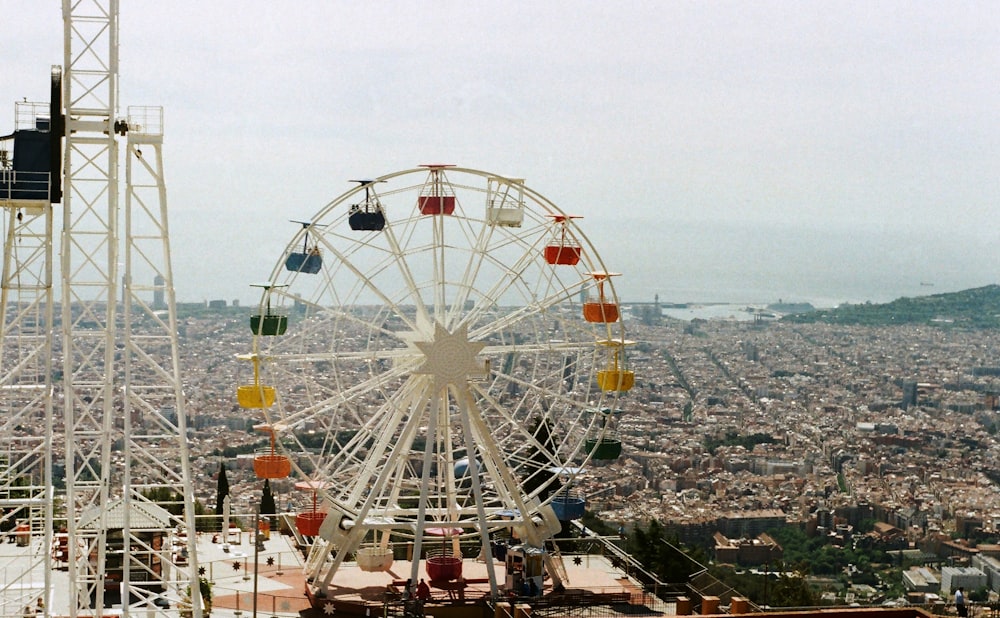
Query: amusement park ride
{"points": [[420, 360], [438, 386]]}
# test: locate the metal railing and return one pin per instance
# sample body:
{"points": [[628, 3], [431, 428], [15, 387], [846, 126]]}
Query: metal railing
{"points": [[21, 185]]}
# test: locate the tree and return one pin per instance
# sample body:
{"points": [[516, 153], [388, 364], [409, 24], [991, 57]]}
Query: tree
{"points": [[221, 492], [202, 521], [267, 506], [980, 595], [541, 457], [166, 498], [663, 556], [222, 489], [791, 591]]}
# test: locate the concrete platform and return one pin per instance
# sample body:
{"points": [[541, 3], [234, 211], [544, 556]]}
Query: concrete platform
{"points": [[280, 586]]}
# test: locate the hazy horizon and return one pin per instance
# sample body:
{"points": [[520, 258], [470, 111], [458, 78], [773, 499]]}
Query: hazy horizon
{"points": [[725, 151], [745, 262]]}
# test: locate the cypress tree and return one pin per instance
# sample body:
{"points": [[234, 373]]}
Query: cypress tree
{"points": [[222, 489], [267, 506]]}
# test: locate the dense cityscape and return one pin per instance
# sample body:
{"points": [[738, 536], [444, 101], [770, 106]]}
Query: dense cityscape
{"points": [[443, 405], [735, 428]]}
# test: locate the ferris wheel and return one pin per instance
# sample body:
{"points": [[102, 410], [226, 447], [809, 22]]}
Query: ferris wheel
{"points": [[436, 356]]}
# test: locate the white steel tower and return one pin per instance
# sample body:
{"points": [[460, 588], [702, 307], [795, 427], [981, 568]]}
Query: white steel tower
{"points": [[28, 188], [120, 457]]}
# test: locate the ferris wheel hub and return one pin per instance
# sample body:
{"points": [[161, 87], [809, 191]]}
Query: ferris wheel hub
{"points": [[450, 358]]}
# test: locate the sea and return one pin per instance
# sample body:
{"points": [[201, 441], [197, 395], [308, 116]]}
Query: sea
{"points": [[719, 268]]}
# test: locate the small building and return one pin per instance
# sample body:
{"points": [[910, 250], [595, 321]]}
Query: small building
{"points": [[990, 566], [150, 524], [953, 578], [747, 552], [921, 579]]}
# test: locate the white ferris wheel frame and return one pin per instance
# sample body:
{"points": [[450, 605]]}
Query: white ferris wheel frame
{"points": [[423, 369]]}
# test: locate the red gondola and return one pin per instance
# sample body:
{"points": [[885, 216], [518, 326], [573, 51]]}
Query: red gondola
{"points": [[564, 248], [436, 198]]}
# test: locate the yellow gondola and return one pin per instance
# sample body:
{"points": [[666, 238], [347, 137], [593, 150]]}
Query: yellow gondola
{"points": [[615, 377], [255, 395]]}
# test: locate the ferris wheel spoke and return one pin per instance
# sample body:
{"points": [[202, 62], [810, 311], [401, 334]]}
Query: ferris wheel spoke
{"points": [[439, 271], [517, 456], [385, 417], [501, 412], [405, 416], [511, 275], [505, 484], [509, 320], [398, 258], [537, 348], [483, 241], [478, 254], [286, 366], [366, 282], [535, 386], [342, 397], [406, 355]]}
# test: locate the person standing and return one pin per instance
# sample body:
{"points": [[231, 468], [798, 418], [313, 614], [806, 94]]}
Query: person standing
{"points": [[963, 610], [423, 591]]}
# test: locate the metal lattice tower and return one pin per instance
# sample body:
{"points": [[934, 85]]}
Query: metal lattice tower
{"points": [[26, 341], [108, 353], [156, 465], [89, 267]]}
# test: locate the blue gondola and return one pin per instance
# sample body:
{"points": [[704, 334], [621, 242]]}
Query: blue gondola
{"points": [[367, 216], [304, 262], [568, 506], [309, 260]]}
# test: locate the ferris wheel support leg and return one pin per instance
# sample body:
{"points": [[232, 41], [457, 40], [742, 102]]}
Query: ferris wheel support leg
{"points": [[477, 490], [534, 534], [425, 486], [342, 542]]}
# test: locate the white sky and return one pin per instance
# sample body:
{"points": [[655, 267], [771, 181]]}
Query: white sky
{"points": [[636, 114]]}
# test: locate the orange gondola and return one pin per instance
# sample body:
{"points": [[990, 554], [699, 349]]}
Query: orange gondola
{"points": [[601, 311], [270, 464], [309, 522]]}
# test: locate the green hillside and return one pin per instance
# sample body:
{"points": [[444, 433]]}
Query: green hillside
{"points": [[975, 308]]}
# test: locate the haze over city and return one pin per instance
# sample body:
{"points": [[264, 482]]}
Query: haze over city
{"points": [[443, 367], [719, 151]]}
